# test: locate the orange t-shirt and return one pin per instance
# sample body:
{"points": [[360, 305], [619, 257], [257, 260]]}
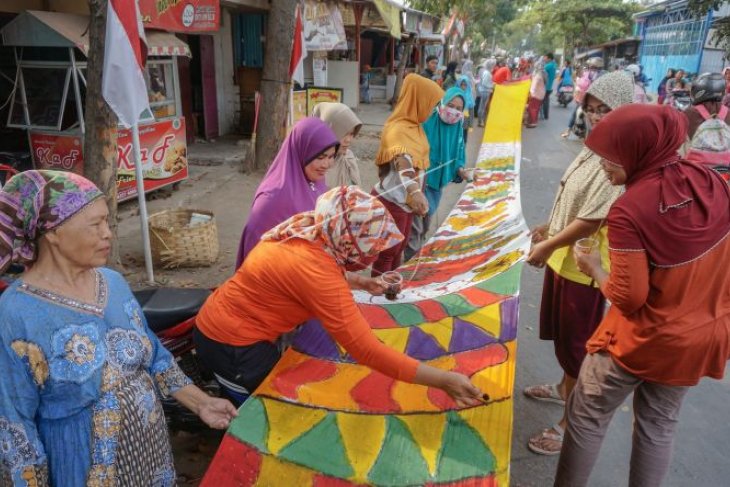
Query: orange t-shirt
{"points": [[668, 325], [282, 284], [502, 75]]}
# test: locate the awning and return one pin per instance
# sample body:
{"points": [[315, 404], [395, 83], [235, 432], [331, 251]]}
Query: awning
{"points": [[589, 53], [390, 11], [34, 28]]}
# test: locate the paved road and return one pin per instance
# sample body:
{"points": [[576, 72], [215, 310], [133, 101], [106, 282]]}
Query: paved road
{"points": [[700, 458]]}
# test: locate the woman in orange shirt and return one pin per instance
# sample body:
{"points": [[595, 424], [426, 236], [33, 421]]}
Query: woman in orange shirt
{"points": [[297, 272], [669, 323]]}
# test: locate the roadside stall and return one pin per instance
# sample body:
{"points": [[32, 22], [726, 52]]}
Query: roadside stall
{"points": [[50, 90]]}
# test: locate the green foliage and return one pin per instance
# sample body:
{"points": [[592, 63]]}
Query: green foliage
{"points": [[485, 20], [543, 25], [721, 37]]}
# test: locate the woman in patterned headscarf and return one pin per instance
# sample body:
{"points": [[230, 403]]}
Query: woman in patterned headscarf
{"points": [[572, 305], [295, 274], [81, 369]]}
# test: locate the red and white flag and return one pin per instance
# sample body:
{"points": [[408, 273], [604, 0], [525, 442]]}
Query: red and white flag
{"points": [[125, 54], [298, 50]]}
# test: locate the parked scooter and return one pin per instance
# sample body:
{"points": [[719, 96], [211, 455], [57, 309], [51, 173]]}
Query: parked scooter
{"points": [[680, 99], [565, 95]]}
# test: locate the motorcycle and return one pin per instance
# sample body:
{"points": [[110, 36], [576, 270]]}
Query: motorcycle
{"points": [[565, 95], [680, 100]]}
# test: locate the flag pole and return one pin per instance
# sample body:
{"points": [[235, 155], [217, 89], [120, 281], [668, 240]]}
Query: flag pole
{"points": [[139, 176]]}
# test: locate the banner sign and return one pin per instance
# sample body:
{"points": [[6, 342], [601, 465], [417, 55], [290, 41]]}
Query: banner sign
{"points": [[162, 144], [323, 27], [164, 157], [58, 152], [181, 16]]}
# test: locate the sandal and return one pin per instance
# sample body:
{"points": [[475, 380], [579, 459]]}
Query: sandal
{"points": [[565, 134], [545, 392], [549, 442]]}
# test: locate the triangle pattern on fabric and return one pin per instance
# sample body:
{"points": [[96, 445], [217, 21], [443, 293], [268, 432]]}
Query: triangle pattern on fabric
{"points": [[291, 422], [363, 436], [428, 431]]}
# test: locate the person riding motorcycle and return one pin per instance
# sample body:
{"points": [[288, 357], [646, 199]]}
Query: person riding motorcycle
{"points": [[707, 90]]}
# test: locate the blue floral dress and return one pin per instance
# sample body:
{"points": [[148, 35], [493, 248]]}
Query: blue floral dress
{"points": [[79, 390]]}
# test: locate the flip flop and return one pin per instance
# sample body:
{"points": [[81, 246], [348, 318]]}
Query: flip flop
{"points": [[535, 444], [544, 392]]}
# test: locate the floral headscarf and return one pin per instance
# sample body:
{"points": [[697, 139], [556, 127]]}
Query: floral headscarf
{"points": [[350, 224], [35, 202]]}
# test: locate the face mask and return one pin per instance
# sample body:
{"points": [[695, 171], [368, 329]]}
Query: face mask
{"points": [[450, 115]]}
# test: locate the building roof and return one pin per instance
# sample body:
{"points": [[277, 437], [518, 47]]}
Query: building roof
{"points": [[34, 28]]}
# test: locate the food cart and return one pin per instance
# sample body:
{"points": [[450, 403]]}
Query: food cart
{"points": [[50, 90]]}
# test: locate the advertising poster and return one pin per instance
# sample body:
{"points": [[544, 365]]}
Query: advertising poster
{"points": [[298, 106], [57, 152], [181, 16], [318, 95], [164, 157], [323, 27]]}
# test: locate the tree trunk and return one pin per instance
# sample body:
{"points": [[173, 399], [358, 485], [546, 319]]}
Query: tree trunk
{"points": [[407, 50], [100, 140], [275, 83]]}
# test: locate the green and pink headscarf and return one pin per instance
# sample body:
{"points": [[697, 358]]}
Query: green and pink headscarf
{"points": [[35, 202]]}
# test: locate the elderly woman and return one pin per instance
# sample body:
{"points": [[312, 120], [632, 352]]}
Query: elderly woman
{"points": [[82, 372], [402, 160], [669, 323], [345, 124], [296, 273], [571, 305], [293, 183]]}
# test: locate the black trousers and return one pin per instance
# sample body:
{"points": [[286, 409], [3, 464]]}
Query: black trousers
{"points": [[246, 366], [546, 104]]}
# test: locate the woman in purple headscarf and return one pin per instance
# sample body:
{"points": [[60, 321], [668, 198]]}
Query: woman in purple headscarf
{"points": [[294, 182]]}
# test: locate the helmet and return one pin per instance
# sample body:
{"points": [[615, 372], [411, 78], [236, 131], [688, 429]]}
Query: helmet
{"points": [[707, 87], [595, 62]]}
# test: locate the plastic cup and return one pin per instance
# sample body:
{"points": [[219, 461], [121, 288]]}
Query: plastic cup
{"points": [[586, 245], [393, 281]]}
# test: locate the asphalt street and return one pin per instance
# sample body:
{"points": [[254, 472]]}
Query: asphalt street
{"points": [[700, 459]]}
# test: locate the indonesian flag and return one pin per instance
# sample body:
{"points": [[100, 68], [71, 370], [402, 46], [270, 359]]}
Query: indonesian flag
{"points": [[298, 50], [125, 54]]}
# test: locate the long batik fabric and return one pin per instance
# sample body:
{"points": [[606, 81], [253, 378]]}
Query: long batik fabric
{"points": [[79, 394], [321, 419]]}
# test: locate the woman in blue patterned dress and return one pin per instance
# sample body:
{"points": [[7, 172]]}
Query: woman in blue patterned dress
{"points": [[82, 372]]}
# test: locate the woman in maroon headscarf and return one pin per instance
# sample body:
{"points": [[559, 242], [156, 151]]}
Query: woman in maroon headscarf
{"points": [[669, 323]]}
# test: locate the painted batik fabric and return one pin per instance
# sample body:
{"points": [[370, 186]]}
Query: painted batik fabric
{"points": [[80, 391]]}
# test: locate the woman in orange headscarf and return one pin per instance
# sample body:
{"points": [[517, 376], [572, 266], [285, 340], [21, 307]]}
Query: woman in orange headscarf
{"points": [[669, 323], [402, 161]]}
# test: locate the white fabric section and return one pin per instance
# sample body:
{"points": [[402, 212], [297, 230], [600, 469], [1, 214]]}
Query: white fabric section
{"points": [[123, 85]]}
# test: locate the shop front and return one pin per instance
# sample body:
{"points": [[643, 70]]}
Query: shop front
{"points": [[49, 97]]}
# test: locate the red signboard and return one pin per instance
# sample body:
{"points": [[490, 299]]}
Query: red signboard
{"points": [[181, 15], [162, 144], [164, 157], [61, 152]]}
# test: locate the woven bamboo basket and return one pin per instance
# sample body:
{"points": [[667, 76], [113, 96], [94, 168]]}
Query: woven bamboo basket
{"points": [[177, 244]]}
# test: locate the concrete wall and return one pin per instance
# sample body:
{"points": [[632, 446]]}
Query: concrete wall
{"points": [[229, 103]]}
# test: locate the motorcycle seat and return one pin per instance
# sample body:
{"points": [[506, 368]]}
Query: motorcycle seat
{"points": [[166, 307]]}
